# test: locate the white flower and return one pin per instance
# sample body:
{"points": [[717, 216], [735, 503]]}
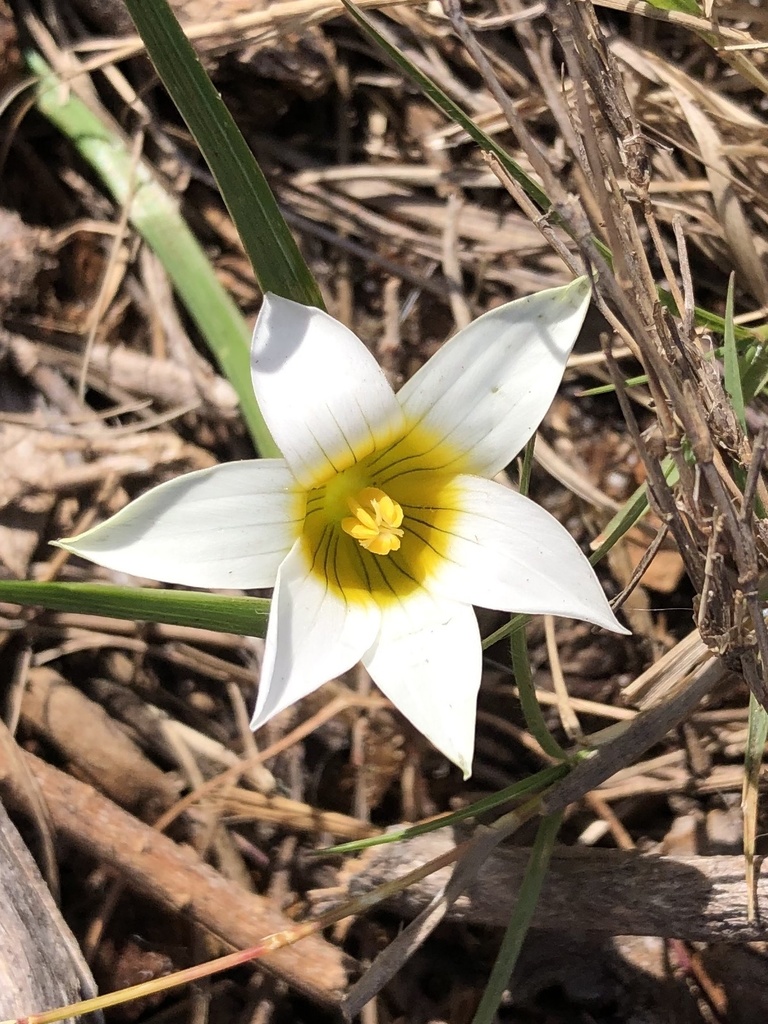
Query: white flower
{"points": [[380, 528]]}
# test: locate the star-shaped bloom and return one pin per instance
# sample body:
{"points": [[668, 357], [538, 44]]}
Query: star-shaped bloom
{"points": [[381, 526]]}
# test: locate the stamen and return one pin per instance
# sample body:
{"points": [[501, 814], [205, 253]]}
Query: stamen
{"points": [[375, 521]]}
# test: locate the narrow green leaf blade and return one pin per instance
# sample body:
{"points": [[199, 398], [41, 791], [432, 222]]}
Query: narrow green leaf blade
{"points": [[443, 102], [753, 758], [516, 623], [533, 784], [271, 248], [731, 368], [633, 509], [520, 921], [713, 322], [607, 389], [683, 6], [155, 215], [534, 718], [244, 616]]}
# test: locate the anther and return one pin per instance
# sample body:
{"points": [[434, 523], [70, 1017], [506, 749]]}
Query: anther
{"points": [[375, 521]]}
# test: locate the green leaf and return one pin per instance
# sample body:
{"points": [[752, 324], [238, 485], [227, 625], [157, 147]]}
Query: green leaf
{"points": [[534, 718], [516, 623], [713, 322], [155, 215], [608, 389], [533, 784], [443, 102], [683, 6], [276, 260], [244, 616], [633, 509], [753, 759], [521, 664], [731, 368], [520, 921], [755, 380]]}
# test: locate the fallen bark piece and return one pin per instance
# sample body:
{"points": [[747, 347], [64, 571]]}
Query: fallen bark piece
{"points": [[610, 891], [150, 863], [41, 966], [98, 748]]}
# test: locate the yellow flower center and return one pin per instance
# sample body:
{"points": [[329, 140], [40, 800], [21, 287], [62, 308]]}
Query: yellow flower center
{"points": [[375, 521], [398, 502]]}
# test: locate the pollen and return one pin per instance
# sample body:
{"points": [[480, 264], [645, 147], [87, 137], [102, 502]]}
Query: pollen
{"points": [[375, 521]]}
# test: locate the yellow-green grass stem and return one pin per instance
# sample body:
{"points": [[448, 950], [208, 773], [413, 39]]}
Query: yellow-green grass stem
{"points": [[155, 215]]}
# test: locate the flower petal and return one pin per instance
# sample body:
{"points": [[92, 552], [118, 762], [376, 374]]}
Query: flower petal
{"points": [[486, 390], [229, 526], [500, 550], [313, 635], [322, 394], [428, 662]]}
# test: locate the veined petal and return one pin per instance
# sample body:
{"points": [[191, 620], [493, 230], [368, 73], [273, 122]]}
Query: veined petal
{"points": [[428, 661], [323, 395], [229, 526], [486, 390], [500, 550], [314, 634]]}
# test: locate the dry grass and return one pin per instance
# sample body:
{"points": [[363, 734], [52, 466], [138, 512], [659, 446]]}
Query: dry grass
{"points": [[646, 129]]}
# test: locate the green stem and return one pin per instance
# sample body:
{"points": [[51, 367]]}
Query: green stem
{"points": [[246, 616], [534, 719], [520, 921], [155, 215]]}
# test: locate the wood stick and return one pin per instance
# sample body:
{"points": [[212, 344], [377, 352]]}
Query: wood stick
{"points": [[152, 864], [41, 966], [87, 737], [610, 891]]}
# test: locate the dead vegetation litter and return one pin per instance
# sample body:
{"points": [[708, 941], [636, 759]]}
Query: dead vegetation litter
{"points": [[167, 832]]}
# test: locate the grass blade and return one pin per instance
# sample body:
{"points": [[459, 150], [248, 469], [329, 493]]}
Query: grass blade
{"points": [[155, 215], [683, 6], [520, 921], [633, 509], [731, 368], [533, 784], [534, 719], [244, 616], [516, 623], [443, 102], [277, 263], [518, 644], [753, 759], [713, 322]]}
